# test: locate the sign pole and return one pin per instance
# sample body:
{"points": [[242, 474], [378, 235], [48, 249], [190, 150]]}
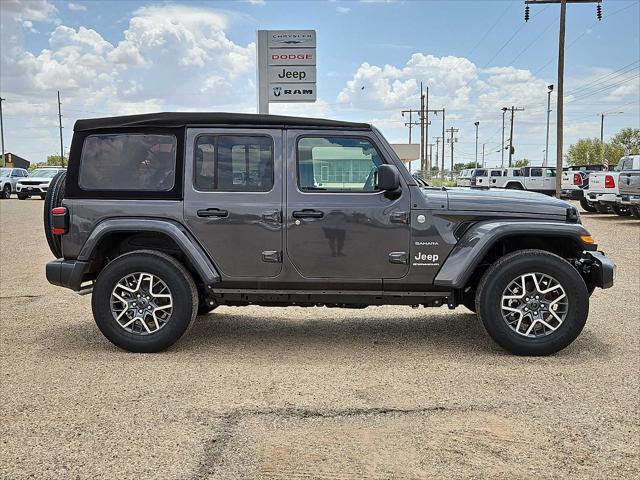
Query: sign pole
{"points": [[263, 82]]}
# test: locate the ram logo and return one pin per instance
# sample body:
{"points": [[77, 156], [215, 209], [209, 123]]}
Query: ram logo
{"points": [[277, 91]]}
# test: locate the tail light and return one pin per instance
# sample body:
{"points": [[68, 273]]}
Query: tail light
{"points": [[609, 182], [59, 221], [577, 179]]}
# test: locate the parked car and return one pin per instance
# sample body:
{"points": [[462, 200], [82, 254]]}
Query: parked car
{"points": [[37, 183], [464, 178], [603, 186], [491, 177], [629, 191], [534, 179], [8, 179], [575, 181], [325, 215]]}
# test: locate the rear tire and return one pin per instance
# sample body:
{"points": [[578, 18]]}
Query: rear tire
{"points": [[622, 211], [128, 332], [529, 335], [22, 196], [586, 206], [635, 211], [52, 199], [6, 191]]}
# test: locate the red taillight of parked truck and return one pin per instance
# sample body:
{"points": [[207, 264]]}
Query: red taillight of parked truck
{"points": [[609, 182], [577, 179], [60, 221]]}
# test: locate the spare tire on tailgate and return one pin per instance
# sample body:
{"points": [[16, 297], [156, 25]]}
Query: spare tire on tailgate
{"points": [[55, 195]]}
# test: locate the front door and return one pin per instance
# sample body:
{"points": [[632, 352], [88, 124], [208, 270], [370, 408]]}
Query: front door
{"points": [[233, 199], [339, 225]]}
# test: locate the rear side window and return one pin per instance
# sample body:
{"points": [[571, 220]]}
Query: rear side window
{"points": [[337, 164], [128, 162], [496, 173], [536, 172], [234, 163]]}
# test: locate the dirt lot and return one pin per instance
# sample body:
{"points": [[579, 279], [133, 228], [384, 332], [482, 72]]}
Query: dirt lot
{"points": [[386, 392]]}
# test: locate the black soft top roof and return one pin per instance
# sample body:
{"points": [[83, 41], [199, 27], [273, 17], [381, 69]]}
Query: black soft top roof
{"points": [[179, 119]]}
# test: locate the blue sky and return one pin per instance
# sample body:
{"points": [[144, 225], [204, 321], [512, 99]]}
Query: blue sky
{"points": [[116, 57]]}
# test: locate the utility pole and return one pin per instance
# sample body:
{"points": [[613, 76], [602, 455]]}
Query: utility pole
{"points": [[410, 123], [602, 130], [452, 140], [426, 130], [483, 154], [437, 139], [60, 124], [2, 131], [511, 150], [546, 150], [504, 110], [422, 141], [560, 101], [477, 124], [430, 158]]}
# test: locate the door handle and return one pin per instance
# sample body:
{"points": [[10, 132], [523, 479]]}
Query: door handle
{"points": [[213, 212], [307, 213]]}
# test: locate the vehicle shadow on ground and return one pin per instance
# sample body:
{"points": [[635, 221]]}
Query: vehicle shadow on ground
{"points": [[225, 332]]}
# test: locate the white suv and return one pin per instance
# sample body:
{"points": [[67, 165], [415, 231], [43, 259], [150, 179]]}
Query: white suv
{"points": [[37, 183]]}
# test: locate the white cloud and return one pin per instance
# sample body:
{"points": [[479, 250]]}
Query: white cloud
{"points": [[76, 7], [35, 10], [343, 10]]}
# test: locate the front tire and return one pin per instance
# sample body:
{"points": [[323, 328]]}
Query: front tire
{"points": [[22, 196], [587, 206], [144, 301], [6, 191], [532, 302]]}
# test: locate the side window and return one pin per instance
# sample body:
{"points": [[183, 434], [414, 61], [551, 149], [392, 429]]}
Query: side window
{"points": [[536, 172], [549, 172], [233, 163], [337, 164], [496, 173], [128, 162]]}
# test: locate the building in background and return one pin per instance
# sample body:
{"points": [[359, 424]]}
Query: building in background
{"points": [[15, 161]]}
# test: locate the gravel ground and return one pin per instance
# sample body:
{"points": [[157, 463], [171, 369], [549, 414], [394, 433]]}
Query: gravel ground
{"points": [[385, 392]]}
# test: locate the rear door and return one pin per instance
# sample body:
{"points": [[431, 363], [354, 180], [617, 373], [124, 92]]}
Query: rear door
{"points": [[233, 198], [339, 225]]}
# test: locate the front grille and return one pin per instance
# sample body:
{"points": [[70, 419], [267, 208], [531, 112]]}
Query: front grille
{"points": [[30, 183]]}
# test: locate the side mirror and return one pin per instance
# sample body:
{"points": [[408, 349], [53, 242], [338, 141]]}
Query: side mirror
{"points": [[388, 178]]}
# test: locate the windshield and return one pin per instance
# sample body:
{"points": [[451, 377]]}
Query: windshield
{"points": [[4, 172], [44, 172]]}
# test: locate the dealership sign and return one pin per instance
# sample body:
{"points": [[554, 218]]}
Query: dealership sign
{"points": [[286, 67]]}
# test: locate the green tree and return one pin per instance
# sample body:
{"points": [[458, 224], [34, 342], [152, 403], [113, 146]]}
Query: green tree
{"points": [[589, 151], [458, 166], [628, 140], [55, 160], [521, 163]]}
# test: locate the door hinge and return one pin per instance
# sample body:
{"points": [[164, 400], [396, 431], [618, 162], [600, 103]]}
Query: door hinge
{"points": [[400, 217], [272, 256], [401, 258]]}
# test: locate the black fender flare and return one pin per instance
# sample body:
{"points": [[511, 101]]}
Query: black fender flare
{"points": [[478, 240], [174, 230]]}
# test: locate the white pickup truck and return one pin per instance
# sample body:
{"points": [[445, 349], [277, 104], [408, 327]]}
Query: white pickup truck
{"points": [[603, 186], [575, 182]]}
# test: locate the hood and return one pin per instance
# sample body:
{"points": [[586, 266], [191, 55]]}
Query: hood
{"points": [[510, 201], [36, 179]]}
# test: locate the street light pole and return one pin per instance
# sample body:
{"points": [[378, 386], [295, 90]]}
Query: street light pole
{"points": [[477, 124], [546, 150], [504, 110], [2, 131]]}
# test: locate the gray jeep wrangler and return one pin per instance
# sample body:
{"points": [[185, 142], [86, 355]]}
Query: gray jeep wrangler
{"points": [[166, 216]]}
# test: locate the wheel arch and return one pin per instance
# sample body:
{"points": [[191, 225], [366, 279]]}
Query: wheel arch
{"points": [[121, 235], [485, 242]]}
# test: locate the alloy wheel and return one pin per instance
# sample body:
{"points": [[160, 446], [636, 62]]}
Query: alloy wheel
{"points": [[534, 305], [141, 303]]}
